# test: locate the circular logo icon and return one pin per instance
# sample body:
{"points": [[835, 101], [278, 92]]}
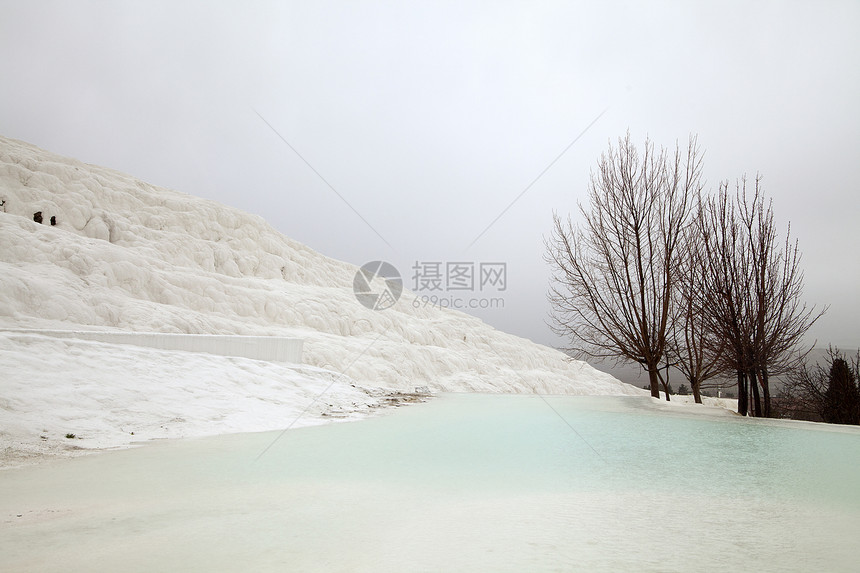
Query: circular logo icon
{"points": [[377, 285]]}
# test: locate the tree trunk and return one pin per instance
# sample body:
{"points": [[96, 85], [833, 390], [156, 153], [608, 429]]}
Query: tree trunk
{"points": [[654, 380], [742, 393], [765, 385], [756, 397], [697, 391]]}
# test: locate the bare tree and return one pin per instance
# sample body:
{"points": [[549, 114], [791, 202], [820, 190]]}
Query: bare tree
{"points": [[754, 285], [699, 352], [614, 276], [825, 391], [725, 269], [802, 394]]}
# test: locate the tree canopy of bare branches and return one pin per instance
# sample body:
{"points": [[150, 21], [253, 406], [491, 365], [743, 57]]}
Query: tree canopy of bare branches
{"points": [[614, 276], [751, 301], [695, 347]]}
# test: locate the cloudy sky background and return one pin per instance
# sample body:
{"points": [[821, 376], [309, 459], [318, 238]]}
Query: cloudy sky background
{"points": [[430, 118]]}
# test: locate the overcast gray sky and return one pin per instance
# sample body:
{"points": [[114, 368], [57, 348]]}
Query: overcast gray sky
{"points": [[430, 118]]}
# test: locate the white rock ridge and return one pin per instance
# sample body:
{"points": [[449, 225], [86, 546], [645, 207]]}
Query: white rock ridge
{"points": [[127, 255]]}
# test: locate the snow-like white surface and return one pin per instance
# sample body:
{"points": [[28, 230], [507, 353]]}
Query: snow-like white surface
{"points": [[269, 348], [730, 405], [130, 256], [111, 395]]}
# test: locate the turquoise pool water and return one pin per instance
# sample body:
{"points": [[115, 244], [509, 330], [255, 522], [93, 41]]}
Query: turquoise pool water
{"points": [[462, 483]]}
